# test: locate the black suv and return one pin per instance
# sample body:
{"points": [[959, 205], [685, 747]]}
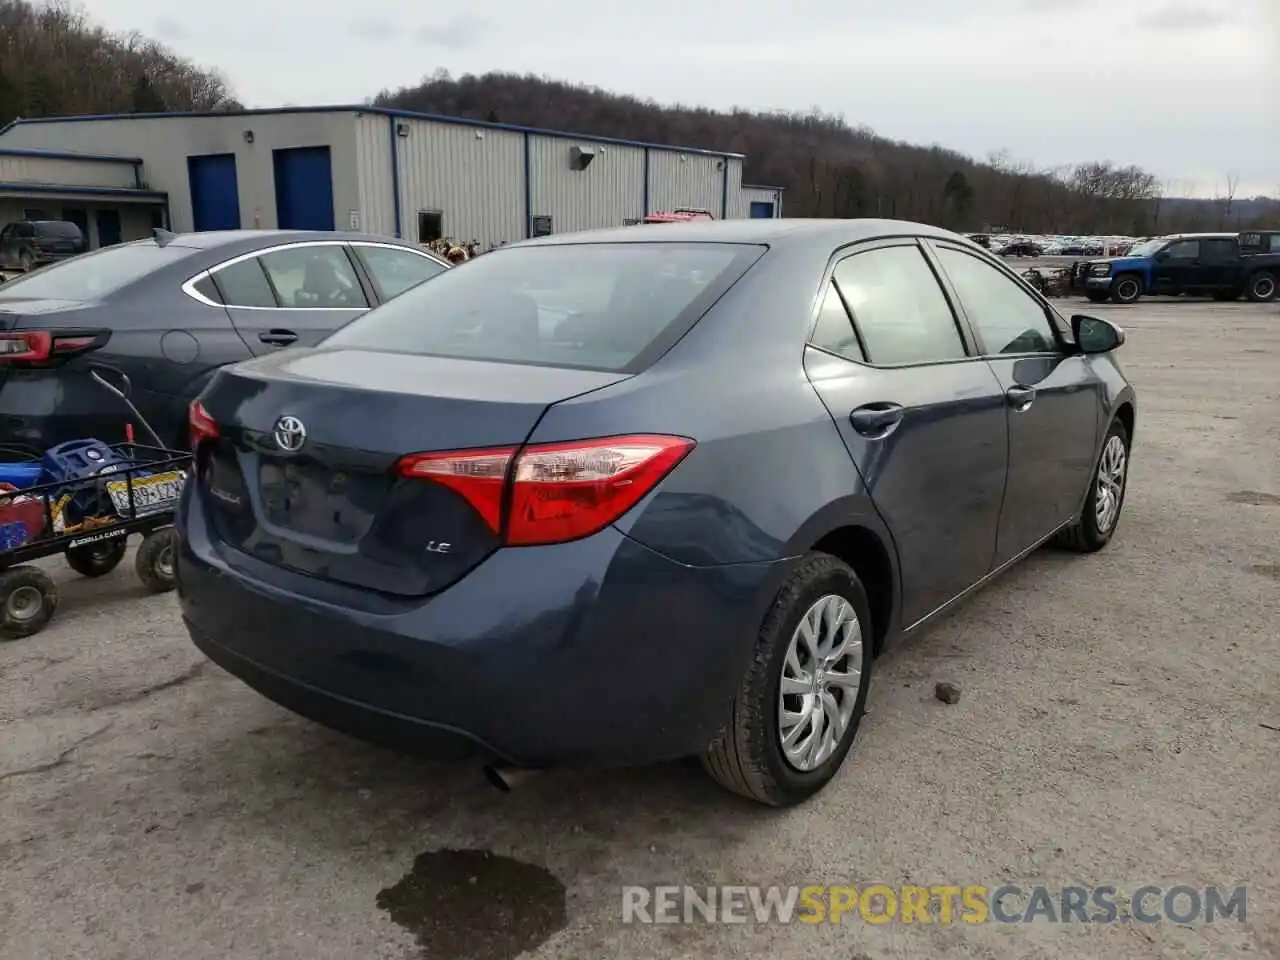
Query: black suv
{"points": [[27, 244]]}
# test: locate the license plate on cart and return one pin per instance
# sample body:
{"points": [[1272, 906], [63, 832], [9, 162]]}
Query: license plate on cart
{"points": [[152, 494]]}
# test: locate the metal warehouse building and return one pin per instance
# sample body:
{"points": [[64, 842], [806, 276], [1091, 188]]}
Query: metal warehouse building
{"points": [[383, 171]]}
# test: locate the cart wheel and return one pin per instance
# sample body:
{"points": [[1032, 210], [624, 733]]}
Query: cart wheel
{"points": [[97, 559], [27, 601], [154, 561]]}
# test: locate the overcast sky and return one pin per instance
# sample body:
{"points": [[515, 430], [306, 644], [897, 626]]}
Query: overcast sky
{"points": [[1189, 89]]}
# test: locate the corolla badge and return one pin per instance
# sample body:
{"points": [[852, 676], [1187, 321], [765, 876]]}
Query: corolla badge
{"points": [[290, 434]]}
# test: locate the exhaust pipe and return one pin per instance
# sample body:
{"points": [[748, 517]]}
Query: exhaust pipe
{"points": [[506, 778]]}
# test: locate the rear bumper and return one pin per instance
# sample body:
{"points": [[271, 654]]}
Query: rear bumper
{"points": [[599, 651]]}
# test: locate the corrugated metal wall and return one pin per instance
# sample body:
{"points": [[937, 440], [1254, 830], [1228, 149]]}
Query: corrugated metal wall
{"points": [[82, 173], [375, 191], [164, 143], [748, 195], [472, 176], [686, 180], [605, 194]]}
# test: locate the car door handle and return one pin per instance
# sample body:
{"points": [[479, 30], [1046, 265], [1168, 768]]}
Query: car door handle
{"points": [[278, 338], [876, 419], [1020, 397]]}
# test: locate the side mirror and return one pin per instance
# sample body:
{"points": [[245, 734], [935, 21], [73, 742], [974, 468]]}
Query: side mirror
{"points": [[1094, 335]]}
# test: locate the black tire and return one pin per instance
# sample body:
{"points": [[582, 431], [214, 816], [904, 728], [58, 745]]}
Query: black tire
{"points": [[1126, 288], [1097, 296], [746, 756], [1084, 536], [154, 560], [97, 559], [28, 599], [1262, 287]]}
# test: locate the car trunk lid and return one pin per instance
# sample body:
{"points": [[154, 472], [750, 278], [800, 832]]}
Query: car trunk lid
{"points": [[302, 472]]}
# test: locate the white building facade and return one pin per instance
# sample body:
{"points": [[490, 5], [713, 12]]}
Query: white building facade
{"points": [[396, 173]]}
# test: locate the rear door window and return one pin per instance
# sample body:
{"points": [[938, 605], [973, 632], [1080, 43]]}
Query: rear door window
{"points": [[395, 270], [314, 277], [834, 331], [1183, 250], [601, 306], [899, 307], [244, 284], [1218, 250]]}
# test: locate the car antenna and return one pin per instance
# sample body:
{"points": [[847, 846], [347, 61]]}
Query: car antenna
{"points": [[163, 236]]}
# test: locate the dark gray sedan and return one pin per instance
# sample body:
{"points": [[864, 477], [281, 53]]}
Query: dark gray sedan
{"points": [[626, 496], [170, 310]]}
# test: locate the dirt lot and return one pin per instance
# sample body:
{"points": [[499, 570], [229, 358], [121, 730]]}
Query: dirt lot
{"points": [[1119, 724]]}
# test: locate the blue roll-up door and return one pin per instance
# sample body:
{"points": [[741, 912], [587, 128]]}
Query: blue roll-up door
{"points": [[761, 210], [304, 188], [215, 194]]}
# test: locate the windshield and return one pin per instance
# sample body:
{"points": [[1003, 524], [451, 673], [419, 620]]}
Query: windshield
{"points": [[94, 275], [1147, 247], [602, 306]]}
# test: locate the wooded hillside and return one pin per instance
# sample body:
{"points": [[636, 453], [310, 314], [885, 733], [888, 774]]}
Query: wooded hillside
{"points": [[831, 168], [54, 61]]}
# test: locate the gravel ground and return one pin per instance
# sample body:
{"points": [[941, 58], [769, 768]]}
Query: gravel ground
{"points": [[1118, 724]]}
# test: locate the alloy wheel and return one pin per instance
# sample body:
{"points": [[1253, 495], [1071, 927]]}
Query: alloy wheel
{"points": [[1111, 477]]}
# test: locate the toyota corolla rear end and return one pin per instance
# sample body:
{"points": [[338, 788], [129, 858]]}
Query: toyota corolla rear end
{"points": [[377, 537]]}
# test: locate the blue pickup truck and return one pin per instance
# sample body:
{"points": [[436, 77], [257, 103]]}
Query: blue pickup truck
{"points": [[1219, 265]]}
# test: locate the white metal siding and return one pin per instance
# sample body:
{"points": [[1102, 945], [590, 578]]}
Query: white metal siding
{"points": [[685, 180], [83, 173], [165, 143], [748, 195], [373, 153], [734, 196], [609, 191], [473, 176]]}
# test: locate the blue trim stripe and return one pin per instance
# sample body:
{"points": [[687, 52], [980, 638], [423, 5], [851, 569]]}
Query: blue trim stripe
{"points": [[63, 155], [646, 183], [528, 187], [724, 192], [395, 176], [384, 111], [758, 186], [46, 189]]}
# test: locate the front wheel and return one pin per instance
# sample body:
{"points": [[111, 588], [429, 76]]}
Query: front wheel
{"points": [[97, 559], [800, 704], [1126, 289], [1262, 287], [1097, 522], [28, 598]]}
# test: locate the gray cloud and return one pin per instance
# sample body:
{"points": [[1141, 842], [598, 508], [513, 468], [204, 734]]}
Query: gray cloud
{"points": [[171, 30], [460, 32], [1180, 16], [373, 28]]}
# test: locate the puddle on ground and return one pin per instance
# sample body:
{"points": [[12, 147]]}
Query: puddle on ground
{"points": [[476, 905], [1253, 498]]}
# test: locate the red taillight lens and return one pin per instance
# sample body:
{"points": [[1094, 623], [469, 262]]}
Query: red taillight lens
{"points": [[558, 491], [203, 427], [27, 346]]}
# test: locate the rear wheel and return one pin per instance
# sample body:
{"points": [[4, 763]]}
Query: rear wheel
{"points": [[154, 562], [1262, 287], [97, 559], [28, 598], [800, 704], [1126, 288], [1097, 522], [26, 263]]}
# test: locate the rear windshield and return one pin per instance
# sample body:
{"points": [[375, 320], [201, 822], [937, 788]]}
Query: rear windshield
{"points": [[62, 229], [94, 275], [600, 306]]}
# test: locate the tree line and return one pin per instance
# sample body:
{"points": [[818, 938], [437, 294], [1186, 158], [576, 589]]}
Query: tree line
{"points": [[831, 168], [54, 61]]}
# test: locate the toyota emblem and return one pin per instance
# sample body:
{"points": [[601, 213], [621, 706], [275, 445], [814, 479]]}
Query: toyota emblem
{"points": [[290, 434]]}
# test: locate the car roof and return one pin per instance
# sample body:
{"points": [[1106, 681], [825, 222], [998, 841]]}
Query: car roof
{"points": [[214, 239], [772, 232]]}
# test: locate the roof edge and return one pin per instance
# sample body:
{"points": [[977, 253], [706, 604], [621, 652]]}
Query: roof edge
{"points": [[65, 155], [386, 112], [762, 186], [44, 189]]}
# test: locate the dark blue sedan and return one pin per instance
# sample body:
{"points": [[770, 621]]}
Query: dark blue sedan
{"points": [[625, 496]]}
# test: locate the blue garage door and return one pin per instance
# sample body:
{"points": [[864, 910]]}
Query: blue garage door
{"points": [[761, 210], [215, 195], [304, 188]]}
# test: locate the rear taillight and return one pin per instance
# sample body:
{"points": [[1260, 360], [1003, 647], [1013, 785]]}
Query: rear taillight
{"points": [[553, 492], [202, 426], [35, 347]]}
